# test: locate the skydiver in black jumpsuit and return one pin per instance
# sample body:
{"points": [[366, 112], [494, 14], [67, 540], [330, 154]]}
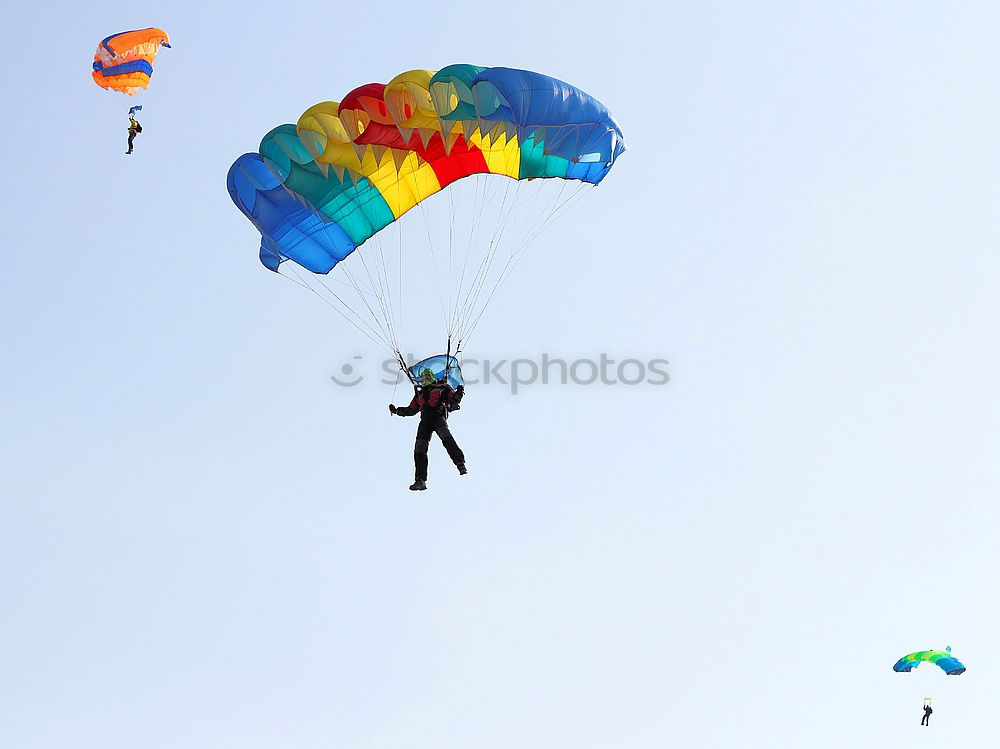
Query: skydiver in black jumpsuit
{"points": [[926, 720], [433, 400]]}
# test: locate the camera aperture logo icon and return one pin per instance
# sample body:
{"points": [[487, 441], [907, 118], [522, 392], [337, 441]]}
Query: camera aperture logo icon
{"points": [[347, 371]]}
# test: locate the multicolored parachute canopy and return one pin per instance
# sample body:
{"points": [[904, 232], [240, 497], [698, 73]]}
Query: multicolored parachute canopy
{"points": [[944, 660], [441, 366], [364, 162], [346, 171], [124, 61]]}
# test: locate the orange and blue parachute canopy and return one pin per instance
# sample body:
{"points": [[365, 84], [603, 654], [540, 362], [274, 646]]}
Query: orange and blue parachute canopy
{"points": [[124, 61]]}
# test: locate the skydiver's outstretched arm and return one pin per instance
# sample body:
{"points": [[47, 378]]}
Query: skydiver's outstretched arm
{"points": [[405, 410]]}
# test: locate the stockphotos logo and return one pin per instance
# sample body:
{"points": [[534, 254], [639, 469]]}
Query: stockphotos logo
{"points": [[517, 374]]}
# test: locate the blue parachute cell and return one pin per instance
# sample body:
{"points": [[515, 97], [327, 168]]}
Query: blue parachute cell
{"points": [[576, 125], [284, 220]]}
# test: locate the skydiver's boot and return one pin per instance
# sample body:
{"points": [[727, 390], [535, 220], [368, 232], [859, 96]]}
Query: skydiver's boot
{"points": [[418, 486], [462, 470]]}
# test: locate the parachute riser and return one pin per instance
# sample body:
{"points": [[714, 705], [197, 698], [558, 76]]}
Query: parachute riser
{"points": [[406, 370]]}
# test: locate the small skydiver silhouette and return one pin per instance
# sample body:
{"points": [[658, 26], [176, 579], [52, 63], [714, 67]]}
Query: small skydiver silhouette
{"points": [[134, 128]]}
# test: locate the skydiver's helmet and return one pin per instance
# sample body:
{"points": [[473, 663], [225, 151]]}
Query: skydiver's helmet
{"points": [[427, 377]]}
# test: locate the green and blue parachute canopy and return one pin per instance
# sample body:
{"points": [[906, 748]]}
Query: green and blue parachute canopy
{"points": [[942, 659]]}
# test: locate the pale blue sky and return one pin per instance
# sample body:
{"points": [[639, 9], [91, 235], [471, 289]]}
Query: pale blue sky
{"points": [[205, 544]]}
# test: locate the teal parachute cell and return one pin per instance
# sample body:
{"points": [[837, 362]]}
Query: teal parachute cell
{"points": [[355, 205]]}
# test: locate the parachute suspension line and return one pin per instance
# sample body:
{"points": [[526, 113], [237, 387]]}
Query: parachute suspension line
{"points": [[522, 245], [473, 280], [364, 301], [475, 240], [582, 189], [527, 228], [388, 284], [451, 241], [399, 234], [392, 398], [454, 301], [368, 333], [466, 311], [361, 324], [497, 242], [387, 288], [529, 239], [484, 264], [385, 335], [380, 277], [375, 279], [385, 253], [482, 274], [384, 294], [473, 234], [383, 280], [381, 333], [404, 368], [437, 276], [378, 320]]}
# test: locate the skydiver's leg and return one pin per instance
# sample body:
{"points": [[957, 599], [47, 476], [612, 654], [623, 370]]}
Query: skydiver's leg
{"points": [[424, 431], [131, 137], [454, 451]]}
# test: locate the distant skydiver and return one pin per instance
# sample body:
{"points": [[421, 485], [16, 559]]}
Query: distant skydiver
{"points": [[433, 400], [926, 720], [134, 128]]}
